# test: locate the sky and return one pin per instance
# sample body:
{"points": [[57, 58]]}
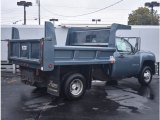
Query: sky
{"points": [[67, 11]]}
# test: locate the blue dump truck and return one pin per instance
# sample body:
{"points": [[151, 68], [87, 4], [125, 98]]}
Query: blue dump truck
{"points": [[88, 54]]}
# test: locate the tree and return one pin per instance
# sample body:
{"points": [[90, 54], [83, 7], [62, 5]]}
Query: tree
{"points": [[143, 16]]}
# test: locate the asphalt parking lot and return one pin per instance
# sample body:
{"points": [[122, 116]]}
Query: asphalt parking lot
{"points": [[126, 101]]}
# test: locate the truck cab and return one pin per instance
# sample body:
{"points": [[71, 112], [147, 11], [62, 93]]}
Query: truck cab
{"points": [[131, 61]]}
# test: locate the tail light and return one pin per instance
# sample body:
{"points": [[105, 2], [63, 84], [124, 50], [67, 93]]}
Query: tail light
{"points": [[41, 44], [112, 59]]}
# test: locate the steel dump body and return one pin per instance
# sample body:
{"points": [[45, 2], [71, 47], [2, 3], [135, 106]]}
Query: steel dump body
{"points": [[44, 53]]}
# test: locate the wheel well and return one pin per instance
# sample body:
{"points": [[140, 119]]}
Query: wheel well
{"points": [[151, 64], [85, 70]]}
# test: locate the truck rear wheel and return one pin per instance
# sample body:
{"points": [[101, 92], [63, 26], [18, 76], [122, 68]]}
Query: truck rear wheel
{"points": [[145, 76], [75, 86]]}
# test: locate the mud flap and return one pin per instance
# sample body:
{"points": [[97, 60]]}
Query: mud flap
{"points": [[53, 87]]}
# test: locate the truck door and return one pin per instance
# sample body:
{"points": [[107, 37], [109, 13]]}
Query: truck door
{"points": [[127, 62]]}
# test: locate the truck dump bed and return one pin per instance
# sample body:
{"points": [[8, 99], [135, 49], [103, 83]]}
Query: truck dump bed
{"points": [[44, 53]]}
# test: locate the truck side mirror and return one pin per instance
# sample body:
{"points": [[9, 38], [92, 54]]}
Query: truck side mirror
{"points": [[137, 45], [134, 50]]}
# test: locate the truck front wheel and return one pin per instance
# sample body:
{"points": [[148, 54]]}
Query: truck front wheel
{"points": [[75, 86], [145, 76]]}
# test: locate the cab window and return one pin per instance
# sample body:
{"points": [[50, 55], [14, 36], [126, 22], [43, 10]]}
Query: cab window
{"points": [[123, 45]]}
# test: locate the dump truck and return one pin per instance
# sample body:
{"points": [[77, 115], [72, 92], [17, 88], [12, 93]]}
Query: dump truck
{"points": [[89, 53]]}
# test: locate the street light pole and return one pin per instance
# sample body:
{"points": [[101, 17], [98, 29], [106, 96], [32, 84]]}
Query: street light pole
{"points": [[152, 5], [39, 11], [24, 4], [96, 20], [53, 20], [39, 14], [24, 15]]}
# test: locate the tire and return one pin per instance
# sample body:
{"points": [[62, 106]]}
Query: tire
{"points": [[74, 86], [145, 76]]}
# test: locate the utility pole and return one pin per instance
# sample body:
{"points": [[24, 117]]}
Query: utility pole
{"points": [[96, 20], [152, 5], [24, 4], [39, 11]]}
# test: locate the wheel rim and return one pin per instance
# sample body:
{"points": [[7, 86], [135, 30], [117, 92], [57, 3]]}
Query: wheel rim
{"points": [[147, 75], [76, 87]]}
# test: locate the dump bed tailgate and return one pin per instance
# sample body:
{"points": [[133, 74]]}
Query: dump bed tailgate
{"points": [[33, 53], [25, 51]]}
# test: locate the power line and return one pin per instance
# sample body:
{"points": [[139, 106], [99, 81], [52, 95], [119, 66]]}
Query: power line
{"points": [[85, 13], [8, 9], [73, 7], [83, 19], [17, 20]]}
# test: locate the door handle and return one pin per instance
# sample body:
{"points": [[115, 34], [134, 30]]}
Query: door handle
{"points": [[121, 56]]}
